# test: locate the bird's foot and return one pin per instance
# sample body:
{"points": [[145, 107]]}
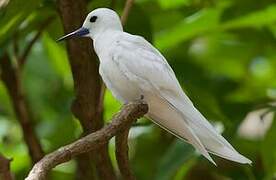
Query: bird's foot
{"points": [[141, 98]]}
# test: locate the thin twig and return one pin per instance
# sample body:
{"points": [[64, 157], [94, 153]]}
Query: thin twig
{"points": [[26, 52], [126, 11], [11, 78], [121, 141], [5, 172], [112, 4], [120, 121], [15, 44]]}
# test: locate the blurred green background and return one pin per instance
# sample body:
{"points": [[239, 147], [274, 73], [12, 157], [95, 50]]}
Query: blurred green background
{"points": [[222, 51]]}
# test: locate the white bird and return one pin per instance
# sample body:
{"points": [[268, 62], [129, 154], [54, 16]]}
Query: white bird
{"points": [[132, 68]]}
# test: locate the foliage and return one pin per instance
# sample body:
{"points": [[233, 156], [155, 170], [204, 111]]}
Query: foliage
{"points": [[222, 51]]}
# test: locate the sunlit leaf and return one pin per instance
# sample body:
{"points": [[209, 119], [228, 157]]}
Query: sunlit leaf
{"points": [[111, 105], [165, 4], [196, 24], [255, 19], [58, 58]]}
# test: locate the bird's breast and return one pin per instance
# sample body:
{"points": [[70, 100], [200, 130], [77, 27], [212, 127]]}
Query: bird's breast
{"points": [[117, 82]]}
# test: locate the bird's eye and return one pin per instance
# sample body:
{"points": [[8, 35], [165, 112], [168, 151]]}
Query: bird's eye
{"points": [[93, 19]]}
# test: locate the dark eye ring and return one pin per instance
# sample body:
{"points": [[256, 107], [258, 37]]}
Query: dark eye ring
{"points": [[93, 19]]}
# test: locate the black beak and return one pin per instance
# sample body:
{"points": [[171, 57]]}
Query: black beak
{"points": [[78, 33]]}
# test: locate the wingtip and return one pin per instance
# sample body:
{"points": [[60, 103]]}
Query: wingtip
{"points": [[246, 161], [207, 156], [242, 159], [213, 162]]}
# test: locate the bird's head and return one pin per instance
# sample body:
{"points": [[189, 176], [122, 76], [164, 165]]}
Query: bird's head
{"points": [[97, 22]]}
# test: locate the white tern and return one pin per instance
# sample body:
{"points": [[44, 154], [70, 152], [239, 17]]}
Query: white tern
{"points": [[132, 68]]}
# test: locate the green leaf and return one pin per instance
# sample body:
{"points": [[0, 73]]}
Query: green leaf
{"points": [[134, 24], [255, 19], [14, 14], [5, 105], [58, 58], [178, 154], [198, 23], [268, 151], [207, 103], [208, 20], [165, 4], [111, 105], [34, 21]]}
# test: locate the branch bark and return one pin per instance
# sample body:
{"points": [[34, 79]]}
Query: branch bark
{"points": [[87, 85], [5, 172], [11, 78], [128, 114], [121, 142], [127, 8]]}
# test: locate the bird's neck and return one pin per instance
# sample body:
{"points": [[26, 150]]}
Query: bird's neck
{"points": [[103, 40]]}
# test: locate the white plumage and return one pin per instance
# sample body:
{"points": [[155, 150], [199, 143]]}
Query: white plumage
{"points": [[131, 67]]}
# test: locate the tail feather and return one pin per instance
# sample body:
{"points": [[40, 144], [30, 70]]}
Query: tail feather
{"points": [[231, 155], [217, 144], [171, 120], [189, 134], [184, 121], [213, 141]]}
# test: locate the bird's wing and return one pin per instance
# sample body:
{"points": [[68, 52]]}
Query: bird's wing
{"points": [[146, 67], [139, 58]]}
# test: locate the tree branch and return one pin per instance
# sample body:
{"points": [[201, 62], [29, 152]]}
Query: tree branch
{"points": [[26, 52], [128, 114], [5, 172], [10, 75], [121, 140], [127, 8]]}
